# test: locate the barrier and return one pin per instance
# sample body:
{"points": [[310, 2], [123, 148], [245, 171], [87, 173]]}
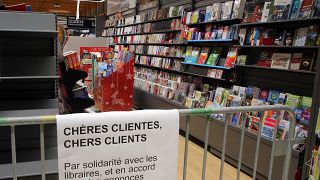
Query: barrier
{"points": [[279, 147]]}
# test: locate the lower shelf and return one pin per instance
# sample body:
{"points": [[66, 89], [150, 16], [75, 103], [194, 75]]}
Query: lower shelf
{"points": [[145, 100], [25, 169]]}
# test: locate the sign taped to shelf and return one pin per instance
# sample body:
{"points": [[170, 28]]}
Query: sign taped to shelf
{"points": [[137, 145]]}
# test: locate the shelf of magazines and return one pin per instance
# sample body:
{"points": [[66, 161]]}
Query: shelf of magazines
{"points": [[200, 99]]}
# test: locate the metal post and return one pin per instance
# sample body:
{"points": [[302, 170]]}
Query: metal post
{"points": [[241, 144], [186, 144], [274, 139], [256, 156], [223, 145], [286, 167], [42, 150], [205, 150], [13, 153]]}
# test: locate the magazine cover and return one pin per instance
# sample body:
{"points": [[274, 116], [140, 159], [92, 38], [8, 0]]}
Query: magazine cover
{"points": [[280, 10]]}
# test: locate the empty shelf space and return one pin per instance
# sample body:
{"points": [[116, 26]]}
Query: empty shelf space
{"points": [[28, 33], [32, 168], [28, 104]]}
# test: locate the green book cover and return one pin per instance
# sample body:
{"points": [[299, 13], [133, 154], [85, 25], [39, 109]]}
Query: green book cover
{"points": [[306, 102], [293, 101], [213, 58]]}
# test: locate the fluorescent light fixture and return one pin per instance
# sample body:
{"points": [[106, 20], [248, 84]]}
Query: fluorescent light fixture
{"points": [[98, 1]]}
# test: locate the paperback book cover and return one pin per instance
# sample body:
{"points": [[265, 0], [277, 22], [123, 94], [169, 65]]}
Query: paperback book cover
{"points": [[306, 9], [264, 95], [203, 56], [281, 60], [295, 9], [195, 17], [187, 58], [317, 9], [296, 61], [268, 128], [231, 57], [195, 54], [207, 34], [273, 97], [208, 14], [265, 12], [293, 100], [238, 9], [312, 35], [242, 59], [226, 10], [280, 10], [213, 58], [216, 11], [242, 35]]}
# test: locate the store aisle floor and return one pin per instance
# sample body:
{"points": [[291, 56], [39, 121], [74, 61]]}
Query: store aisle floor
{"points": [[195, 164]]}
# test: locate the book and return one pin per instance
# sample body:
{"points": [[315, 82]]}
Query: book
{"points": [[226, 10], [235, 90], [267, 36], [207, 34], [211, 73], [317, 9], [242, 92], [281, 60], [296, 61], [307, 60], [203, 56], [226, 30], [292, 100], [249, 93], [282, 98], [220, 98], [187, 58], [195, 17], [249, 12], [213, 58], [219, 32], [280, 10], [216, 11], [268, 128], [265, 12], [254, 124], [295, 8], [273, 97], [306, 9], [231, 57], [255, 36], [288, 41], [312, 35], [195, 54], [242, 35], [208, 14], [264, 95], [238, 9], [188, 18], [242, 59], [265, 58]]}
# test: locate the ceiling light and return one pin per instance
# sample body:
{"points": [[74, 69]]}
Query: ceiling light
{"points": [[56, 5]]}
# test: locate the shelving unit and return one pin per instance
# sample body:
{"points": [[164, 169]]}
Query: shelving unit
{"points": [[177, 72], [160, 56], [28, 86], [247, 75], [275, 69], [144, 33], [222, 22], [158, 20], [208, 66]]}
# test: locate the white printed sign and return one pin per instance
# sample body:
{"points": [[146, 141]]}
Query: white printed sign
{"points": [[137, 145]]}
